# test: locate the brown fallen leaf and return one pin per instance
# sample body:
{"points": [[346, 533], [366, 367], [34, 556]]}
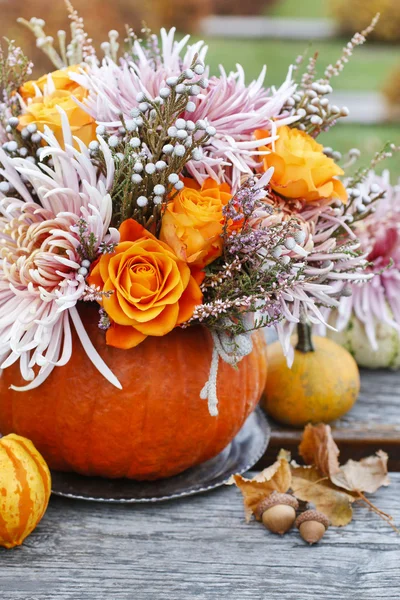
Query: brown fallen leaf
{"points": [[366, 475], [318, 448], [278, 474], [310, 485], [277, 478]]}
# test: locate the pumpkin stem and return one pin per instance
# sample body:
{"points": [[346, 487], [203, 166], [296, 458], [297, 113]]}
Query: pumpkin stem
{"points": [[304, 343]]}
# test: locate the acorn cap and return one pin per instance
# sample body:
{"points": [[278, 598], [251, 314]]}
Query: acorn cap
{"points": [[312, 515], [273, 500]]}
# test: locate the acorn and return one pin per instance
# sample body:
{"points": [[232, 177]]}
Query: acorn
{"points": [[312, 525], [277, 512]]}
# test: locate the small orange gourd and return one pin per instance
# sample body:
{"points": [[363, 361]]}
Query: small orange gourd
{"points": [[321, 386], [25, 487]]}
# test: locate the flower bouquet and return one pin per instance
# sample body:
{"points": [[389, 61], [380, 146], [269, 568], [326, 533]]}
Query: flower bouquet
{"points": [[153, 220]]}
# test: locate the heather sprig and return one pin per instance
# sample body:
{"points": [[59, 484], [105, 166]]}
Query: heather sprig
{"points": [[358, 39], [88, 248], [95, 294], [252, 273], [15, 68]]}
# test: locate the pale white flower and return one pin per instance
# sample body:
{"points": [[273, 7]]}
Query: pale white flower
{"points": [[40, 254]]}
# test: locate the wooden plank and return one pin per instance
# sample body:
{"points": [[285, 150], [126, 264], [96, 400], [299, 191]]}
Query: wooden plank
{"points": [[373, 423], [199, 548]]}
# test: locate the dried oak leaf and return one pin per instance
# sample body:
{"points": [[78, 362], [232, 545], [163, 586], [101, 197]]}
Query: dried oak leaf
{"points": [[277, 478], [318, 448], [366, 475], [310, 485]]}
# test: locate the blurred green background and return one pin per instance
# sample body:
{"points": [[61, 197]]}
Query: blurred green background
{"points": [[374, 67]]}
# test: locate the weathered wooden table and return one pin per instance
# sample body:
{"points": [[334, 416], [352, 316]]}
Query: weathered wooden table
{"points": [[200, 548]]}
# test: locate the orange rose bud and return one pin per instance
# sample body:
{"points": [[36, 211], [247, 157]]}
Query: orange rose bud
{"points": [[152, 290], [301, 169], [193, 222]]}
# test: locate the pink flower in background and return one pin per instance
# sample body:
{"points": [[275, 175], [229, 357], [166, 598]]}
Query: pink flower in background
{"points": [[379, 234]]}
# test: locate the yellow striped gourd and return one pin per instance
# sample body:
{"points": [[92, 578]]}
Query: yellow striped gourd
{"points": [[25, 486]]}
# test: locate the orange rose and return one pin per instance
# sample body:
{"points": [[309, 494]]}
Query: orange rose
{"points": [[43, 111], [61, 81], [192, 223], [153, 291], [301, 169]]}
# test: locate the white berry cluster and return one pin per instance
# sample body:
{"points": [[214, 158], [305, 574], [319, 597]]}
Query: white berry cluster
{"points": [[291, 243], [25, 144], [152, 146], [313, 108], [28, 135], [362, 198]]}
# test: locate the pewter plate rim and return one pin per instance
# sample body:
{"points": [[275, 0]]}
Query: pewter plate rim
{"points": [[249, 446]]}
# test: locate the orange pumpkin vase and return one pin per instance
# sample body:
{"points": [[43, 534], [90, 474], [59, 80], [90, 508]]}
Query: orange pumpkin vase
{"points": [[156, 426]]}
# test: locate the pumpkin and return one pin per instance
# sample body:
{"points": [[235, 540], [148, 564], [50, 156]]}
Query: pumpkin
{"points": [[156, 426], [355, 340], [25, 487], [322, 384]]}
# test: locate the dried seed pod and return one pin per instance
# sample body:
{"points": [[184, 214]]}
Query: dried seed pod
{"points": [[312, 525], [278, 512]]}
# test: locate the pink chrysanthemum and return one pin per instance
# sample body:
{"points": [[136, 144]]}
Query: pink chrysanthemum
{"points": [[41, 271], [113, 88], [379, 234], [236, 110], [225, 102]]}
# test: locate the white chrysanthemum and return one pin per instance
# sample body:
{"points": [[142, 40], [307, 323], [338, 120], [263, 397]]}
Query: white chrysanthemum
{"points": [[41, 277]]}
